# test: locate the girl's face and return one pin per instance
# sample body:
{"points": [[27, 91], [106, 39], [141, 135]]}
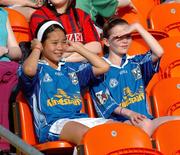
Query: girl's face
{"points": [[119, 39], [59, 2], [54, 47]]}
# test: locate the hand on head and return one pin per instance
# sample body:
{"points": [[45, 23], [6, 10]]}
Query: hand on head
{"points": [[36, 44], [72, 46], [130, 29], [35, 4]]}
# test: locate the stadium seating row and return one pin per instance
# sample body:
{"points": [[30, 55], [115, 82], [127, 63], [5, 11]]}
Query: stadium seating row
{"points": [[112, 138], [150, 13], [159, 17]]}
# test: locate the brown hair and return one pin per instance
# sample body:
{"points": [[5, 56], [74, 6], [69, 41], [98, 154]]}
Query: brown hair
{"points": [[110, 23]]}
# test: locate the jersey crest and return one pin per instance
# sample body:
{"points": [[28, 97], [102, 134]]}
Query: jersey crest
{"points": [[47, 78], [137, 73], [102, 97], [73, 78], [113, 83]]}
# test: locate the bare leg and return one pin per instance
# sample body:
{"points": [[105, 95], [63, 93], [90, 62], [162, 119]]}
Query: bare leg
{"points": [[145, 125], [73, 132], [149, 126], [160, 120]]}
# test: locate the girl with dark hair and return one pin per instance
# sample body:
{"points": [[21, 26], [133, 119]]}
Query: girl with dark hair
{"points": [[78, 25], [52, 88], [120, 93]]}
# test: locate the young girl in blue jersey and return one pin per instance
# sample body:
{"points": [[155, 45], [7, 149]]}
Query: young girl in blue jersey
{"points": [[120, 93], [52, 88]]}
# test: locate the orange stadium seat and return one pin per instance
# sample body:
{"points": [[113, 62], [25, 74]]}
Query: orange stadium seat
{"points": [[132, 16], [27, 133], [88, 105], [166, 17], [138, 42], [19, 25], [145, 6], [137, 48], [135, 151], [173, 69], [155, 79], [165, 97], [170, 59], [167, 138], [141, 13], [109, 137]]}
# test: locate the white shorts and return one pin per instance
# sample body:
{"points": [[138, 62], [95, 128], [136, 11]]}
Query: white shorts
{"points": [[89, 122]]}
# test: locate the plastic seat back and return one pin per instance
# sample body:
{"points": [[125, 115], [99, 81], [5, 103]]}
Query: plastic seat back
{"points": [[27, 130], [88, 105], [141, 14], [137, 48], [109, 137], [157, 34], [19, 25], [144, 7], [166, 17], [165, 94], [167, 137], [171, 46], [173, 69], [131, 16], [135, 151]]}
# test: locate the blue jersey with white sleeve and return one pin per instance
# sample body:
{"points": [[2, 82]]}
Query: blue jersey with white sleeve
{"points": [[124, 86], [54, 94]]}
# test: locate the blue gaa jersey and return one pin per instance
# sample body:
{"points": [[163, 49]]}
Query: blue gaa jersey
{"points": [[124, 86], [54, 94]]}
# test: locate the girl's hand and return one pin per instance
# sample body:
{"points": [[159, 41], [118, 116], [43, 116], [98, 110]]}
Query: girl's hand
{"points": [[72, 46], [34, 3], [126, 32], [134, 117], [131, 28], [36, 44], [3, 50]]}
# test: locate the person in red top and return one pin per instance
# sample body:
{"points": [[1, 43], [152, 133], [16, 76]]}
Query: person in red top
{"points": [[78, 25]]}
